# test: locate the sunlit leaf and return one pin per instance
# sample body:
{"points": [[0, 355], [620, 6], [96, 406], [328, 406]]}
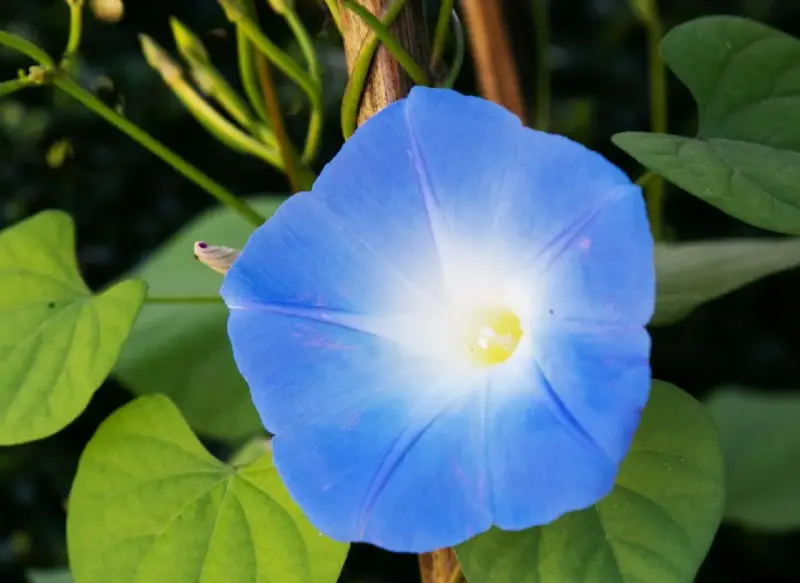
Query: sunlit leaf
{"points": [[182, 350], [656, 525], [760, 436], [691, 274], [149, 503], [58, 340], [745, 160], [251, 451]]}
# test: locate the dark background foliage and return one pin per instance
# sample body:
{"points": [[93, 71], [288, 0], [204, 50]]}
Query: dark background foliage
{"points": [[125, 202]]}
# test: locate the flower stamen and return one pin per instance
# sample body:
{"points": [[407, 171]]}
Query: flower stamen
{"points": [[492, 335]]}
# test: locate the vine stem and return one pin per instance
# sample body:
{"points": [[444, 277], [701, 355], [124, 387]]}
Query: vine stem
{"points": [[491, 50], [440, 35], [27, 48], [655, 190], [316, 119], [9, 87], [458, 59], [457, 576], [645, 178], [333, 8], [376, 80], [541, 21], [65, 83], [222, 194], [288, 155], [353, 102], [376, 77], [75, 32], [440, 566], [241, 15], [417, 73]]}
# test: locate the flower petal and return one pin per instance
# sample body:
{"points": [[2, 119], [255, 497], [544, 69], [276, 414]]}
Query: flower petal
{"points": [[336, 318], [602, 272], [374, 443], [541, 465], [601, 377], [360, 241], [507, 194]]}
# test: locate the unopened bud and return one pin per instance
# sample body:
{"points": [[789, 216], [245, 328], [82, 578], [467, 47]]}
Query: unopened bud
{"points": [[107, 10], [217, 258], [188, 43], [204, 80], [160, 60], [233, 9], [37, 75]]}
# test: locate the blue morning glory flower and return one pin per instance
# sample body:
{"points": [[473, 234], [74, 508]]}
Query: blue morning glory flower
{"points": [[448, 332]]}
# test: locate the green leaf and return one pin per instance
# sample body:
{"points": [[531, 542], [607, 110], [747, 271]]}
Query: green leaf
{"points": [[149, 503], [761, 443], [251, 451], [691, 274], [655, 526], [58, 340], [182, 350], [50, 576], [745, 160]]}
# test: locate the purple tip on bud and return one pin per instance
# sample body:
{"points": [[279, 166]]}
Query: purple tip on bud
{"points": [[202, 245]]}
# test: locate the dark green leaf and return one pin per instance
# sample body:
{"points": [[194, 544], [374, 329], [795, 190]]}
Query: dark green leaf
{"points": [[149, 503], [745, 160], [58, 340], [182, 350], [760, 439], [690, 274], [656, 525]]}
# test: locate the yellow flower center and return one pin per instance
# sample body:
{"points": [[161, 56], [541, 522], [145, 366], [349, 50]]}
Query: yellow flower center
{"points": [[492, 335]]}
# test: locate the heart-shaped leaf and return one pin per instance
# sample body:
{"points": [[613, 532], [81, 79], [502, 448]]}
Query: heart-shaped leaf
{"points": [[690, 274], [745, 160], [656, 525], [58, 340], [149, 503], [181, 349]]}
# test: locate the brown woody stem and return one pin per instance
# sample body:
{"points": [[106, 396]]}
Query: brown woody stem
{"points": [[386, 81], [491, 53], [440, 567]]}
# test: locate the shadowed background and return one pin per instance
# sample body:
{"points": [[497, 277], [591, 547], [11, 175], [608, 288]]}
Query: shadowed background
{"points": [[125, 202]]}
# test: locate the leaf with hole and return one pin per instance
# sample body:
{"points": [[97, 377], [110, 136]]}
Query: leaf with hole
{"points": [[58, 340], [149, 503], [656, 525], [745, 159]]}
